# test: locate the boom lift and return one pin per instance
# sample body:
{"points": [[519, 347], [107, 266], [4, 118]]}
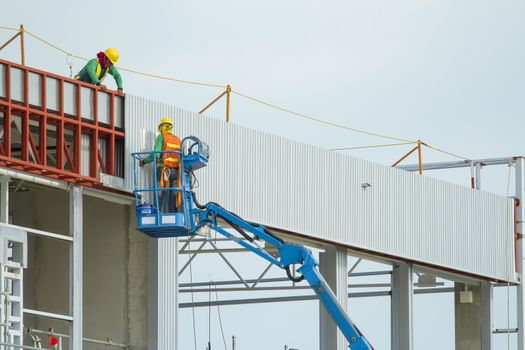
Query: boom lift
{"points": [[192, 217]]}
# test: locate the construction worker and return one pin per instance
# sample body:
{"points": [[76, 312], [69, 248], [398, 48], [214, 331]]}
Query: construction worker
{"points": [[167, 166], [96, 69]]}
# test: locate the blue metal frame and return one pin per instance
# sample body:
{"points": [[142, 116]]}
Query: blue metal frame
{"points": [[192, 219]]}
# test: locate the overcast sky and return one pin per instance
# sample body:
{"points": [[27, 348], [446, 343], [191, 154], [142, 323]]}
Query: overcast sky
{"points": [[451, 73]]}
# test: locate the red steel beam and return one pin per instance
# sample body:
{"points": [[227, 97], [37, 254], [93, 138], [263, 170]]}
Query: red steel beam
{"points": [[60, 127], [7, 114], [68, 157], [25, 118], [33, 147], [77, 133], [42, 135], [110, 145], [101, 161], [93, 150]]}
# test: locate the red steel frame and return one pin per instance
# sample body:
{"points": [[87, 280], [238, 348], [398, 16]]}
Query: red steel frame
{"points": [[80, 126]]}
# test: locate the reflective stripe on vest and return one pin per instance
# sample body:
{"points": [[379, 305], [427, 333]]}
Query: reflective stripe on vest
{"points": [[171, 143], [101, 74]]}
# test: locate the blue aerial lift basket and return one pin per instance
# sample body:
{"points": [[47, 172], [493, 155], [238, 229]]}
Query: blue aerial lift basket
{"points": [[194, 155]]}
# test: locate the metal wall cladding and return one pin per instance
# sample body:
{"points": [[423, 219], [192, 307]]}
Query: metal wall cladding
{"points": [[317, 193]]}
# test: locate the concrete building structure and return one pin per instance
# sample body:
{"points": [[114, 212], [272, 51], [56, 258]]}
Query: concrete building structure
{"points": [[67, 178]]}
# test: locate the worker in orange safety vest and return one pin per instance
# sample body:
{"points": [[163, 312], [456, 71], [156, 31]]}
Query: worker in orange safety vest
{"points": [[167, 166]]}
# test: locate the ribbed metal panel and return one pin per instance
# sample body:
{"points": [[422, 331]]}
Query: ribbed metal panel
{"points": [[84, 155], [3, 69], [17, 86], [317, 193], [35, 95]]}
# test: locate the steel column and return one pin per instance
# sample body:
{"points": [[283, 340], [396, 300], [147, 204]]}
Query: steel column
{"points": [[76, 257], [519, 228], [333, 267], [486, 298], [401, 307]]}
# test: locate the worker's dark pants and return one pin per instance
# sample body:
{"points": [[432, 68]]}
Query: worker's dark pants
{"points": [[167, 197]]}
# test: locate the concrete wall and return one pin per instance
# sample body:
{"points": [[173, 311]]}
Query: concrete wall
{"points": [[115, 265]]}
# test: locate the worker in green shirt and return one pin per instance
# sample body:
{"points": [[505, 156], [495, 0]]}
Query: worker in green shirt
{"points": [[96, 69], [167, 166]]}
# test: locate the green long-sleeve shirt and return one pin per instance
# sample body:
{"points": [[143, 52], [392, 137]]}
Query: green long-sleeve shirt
{"points": [[159, 147], [89, 74]]}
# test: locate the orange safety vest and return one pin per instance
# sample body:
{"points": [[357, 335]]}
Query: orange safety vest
{"points": [[171, 143]]}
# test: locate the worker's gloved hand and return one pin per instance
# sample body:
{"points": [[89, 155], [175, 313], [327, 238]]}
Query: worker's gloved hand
{"points": [[141, 163], [102, 87], [120, 92]]}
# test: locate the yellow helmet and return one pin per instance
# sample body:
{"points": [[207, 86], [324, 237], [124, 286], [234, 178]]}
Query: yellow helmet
{"points": [[166, 122], [112, 54]]}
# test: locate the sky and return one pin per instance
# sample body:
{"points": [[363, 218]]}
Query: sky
{"points": [[449, 73]]}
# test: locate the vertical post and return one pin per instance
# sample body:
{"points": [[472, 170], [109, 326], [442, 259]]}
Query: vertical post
{"points": [[478, 176], [486, 314], [93, 151], [60, 142], [4, 199], [77, 138], [420, 157], [22, 48], [42, 137], [472, 176], [333, 267], [521, 247], [25, 119], [234, 342], [228, 93], [7, 115], [76, 277], [162, 301], [401, 307]]}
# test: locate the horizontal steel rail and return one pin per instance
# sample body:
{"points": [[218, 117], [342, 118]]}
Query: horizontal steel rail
{"points": [[305, 298]]}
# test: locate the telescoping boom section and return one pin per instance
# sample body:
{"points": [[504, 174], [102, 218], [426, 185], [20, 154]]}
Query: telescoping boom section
{"points": [[189, 217]]}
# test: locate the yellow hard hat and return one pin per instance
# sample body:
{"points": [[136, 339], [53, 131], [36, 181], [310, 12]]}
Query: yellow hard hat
{"points": [[112, 54], [166, 121]]}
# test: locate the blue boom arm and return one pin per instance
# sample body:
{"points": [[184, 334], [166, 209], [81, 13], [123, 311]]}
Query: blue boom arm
{"points": [[192, 216], [289, 254]]}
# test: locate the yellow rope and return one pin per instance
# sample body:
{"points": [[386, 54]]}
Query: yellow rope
{"points": [[403, 141], [443, 151], [320, 120], [10, 28], [371, 146], [54, 46], [172, 79]]}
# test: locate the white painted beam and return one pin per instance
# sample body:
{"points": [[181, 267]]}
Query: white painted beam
{"points": [[76, 276]]}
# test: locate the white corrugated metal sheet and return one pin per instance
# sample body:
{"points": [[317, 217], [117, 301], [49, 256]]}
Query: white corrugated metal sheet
{"points": [[310, 191]]}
